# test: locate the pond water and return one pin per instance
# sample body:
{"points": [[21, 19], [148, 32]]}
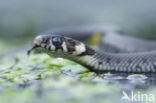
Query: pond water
{"points": [[40, 78]]}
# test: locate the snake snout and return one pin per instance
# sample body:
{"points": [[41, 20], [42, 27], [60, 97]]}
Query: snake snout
{"points": [[38, 40]]}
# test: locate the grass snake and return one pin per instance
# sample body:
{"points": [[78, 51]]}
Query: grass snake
{"points": [[143, 61]]}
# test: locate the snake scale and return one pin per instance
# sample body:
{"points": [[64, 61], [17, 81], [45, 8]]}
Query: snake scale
{"points": [[143, 61]]}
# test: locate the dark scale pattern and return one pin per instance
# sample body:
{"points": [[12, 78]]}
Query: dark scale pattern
{"points": [[154, 66], [118, 61], [138, 68], [100, 62], [144, 60], [45, 40], [108, 60], [70, 45], [49, 48], [59, 48], [129, 61], [137, 63], [88, 51]]}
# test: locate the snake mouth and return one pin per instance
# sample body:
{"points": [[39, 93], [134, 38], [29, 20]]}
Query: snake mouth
{"points": [[39, 42]]}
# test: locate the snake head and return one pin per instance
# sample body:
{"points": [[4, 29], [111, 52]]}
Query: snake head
{"points": [[58, 44]]}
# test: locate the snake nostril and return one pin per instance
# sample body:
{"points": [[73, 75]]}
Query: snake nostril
{"points": [[45, 40]]}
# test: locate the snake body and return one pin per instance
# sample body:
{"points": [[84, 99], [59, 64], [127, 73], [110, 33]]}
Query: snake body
{"points": [[61, 46], [112, 39]]}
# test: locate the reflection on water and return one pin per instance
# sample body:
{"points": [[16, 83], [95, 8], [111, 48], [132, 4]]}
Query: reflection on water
{"points": [[132, 81], [124, 80]]}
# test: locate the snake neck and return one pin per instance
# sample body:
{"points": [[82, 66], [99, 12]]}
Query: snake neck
{"points": [[110, 62]]}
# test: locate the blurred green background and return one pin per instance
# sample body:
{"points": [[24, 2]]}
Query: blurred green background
{"points": [[21, 20], [39, 79]]}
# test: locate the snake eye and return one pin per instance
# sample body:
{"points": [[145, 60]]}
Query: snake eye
{"points": [[57, 41]]}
